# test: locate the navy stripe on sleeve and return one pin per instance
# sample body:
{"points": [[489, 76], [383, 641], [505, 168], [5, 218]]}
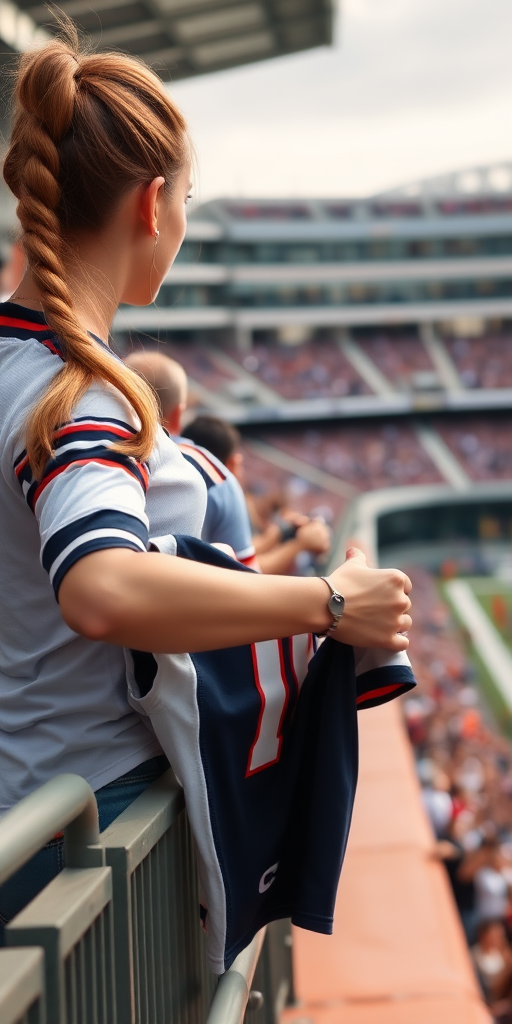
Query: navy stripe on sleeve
{"points": [[104, 529], [106, 420], [380, 685], [81, 456]]}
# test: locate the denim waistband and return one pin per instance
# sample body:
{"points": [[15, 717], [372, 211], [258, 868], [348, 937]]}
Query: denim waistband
{"points": [[144, 772]]}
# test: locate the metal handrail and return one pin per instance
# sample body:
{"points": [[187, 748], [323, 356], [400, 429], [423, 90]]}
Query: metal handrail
{"points": [[232, 993], [67, 803]]}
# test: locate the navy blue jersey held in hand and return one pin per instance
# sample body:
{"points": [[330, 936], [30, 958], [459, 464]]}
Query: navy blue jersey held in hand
{"points": [[264, 739]]}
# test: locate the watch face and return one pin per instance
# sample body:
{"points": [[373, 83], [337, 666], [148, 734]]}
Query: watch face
{"points": [[336, 605]]}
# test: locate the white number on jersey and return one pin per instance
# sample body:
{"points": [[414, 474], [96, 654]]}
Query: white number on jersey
{"points": [[274, 683]]}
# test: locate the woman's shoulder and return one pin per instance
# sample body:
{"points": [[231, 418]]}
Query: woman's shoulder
{"points": [[104, 402]]}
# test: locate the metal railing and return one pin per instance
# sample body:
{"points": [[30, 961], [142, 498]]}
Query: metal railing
{"points": [[22, 998], [117, 933], [259, 983]]}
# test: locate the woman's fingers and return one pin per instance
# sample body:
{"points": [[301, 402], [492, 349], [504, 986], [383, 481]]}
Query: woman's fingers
{"points": [[399, 642], [377, 605]]}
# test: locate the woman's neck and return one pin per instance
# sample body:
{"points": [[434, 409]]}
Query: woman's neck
{"points": [[94, 316]]}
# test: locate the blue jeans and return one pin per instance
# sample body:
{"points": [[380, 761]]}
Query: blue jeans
{"points": [[39, 871]]}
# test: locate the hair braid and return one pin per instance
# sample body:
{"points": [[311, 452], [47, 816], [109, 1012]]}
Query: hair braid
{"points": [[55, 107]]}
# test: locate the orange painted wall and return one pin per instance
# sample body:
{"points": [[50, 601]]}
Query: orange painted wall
{"points": [[398, 954]]}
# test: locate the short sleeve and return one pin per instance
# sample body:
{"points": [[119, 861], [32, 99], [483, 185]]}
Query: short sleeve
{"points": [[381, 675], [89, 497]]}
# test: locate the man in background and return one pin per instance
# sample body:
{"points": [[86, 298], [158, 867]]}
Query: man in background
{"points": [[226, 520], [280, 535]]}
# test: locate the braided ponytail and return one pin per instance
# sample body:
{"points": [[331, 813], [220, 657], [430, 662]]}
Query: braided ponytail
{"points": [[86, 128]]}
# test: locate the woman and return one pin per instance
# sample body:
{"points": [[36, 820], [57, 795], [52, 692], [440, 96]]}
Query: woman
{"points": [[100, 163]]}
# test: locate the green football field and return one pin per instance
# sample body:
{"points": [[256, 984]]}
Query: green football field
{"points": [[495, 597], [483, 609]]}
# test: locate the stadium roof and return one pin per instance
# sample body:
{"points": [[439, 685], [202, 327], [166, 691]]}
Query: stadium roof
{"points": [[484, 191], [487, 180], [181, 38]]}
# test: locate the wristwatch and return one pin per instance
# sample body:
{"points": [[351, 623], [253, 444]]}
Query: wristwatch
{"points": [[336, 606]]}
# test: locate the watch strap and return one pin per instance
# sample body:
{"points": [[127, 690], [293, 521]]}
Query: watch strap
{"points": [[336, 605]]}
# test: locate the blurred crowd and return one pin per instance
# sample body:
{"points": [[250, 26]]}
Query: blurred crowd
{"points": [[465, 768], [399, 358], [368, 456], [484, 362], [320, 369], [483, 446], [311, 370], [199, 364]]}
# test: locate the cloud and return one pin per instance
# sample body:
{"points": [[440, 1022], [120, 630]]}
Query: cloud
{"points": [[412, 87]]}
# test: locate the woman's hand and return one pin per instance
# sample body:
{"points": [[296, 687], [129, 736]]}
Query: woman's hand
{"points": [[376, 604]]}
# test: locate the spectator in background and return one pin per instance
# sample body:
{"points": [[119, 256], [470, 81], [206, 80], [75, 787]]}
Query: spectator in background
{"points": [[281, 535], [226, 521], [492, 957]]}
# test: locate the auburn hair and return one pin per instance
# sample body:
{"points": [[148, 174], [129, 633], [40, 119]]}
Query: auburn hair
{"points": [[87, 128]]}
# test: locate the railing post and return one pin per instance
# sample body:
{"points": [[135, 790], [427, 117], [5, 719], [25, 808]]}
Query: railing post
{"points": [[66, 802], [22, 995], [232, 992]]}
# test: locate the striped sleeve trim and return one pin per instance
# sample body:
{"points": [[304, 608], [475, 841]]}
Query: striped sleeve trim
{"points": [[106, 431], [107, 528], [380, 685], [100, 456], [85, 440]]}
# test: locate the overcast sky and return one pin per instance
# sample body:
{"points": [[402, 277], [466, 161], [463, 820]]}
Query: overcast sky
{"points": [[411, 88]]}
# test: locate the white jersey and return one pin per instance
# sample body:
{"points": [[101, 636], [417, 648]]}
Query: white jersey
{"points": [[63, 698]]}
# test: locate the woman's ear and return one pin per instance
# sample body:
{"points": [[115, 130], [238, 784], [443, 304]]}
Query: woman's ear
{"points": [[149, 204]]}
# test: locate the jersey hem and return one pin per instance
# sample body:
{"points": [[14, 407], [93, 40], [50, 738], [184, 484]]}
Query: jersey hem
{"points": [[109, 774], [126, 764]]}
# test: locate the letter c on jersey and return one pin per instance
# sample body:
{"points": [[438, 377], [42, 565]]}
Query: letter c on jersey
{"points": [[268, 877]]}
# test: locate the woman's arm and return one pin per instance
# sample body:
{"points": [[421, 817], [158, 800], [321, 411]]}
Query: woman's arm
{"points": [[162, 603]]}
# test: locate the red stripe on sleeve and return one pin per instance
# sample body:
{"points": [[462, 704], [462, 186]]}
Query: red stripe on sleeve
{"points": [[83, 462], [74, 428], [380, 692]]}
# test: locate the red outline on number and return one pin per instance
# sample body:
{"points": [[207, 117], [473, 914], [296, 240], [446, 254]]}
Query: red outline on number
{"points": [[292, 663], [261, 767]]}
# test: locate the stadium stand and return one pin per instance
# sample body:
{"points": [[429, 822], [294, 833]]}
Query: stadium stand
{"points": [[316, 369], [404, 361], [484, 362], [368, 457], [483, 446], [201, 366], [263, 477]]}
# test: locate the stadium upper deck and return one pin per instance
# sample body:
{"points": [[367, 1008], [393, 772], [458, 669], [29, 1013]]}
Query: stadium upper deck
{"points": [[431, 262]]}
